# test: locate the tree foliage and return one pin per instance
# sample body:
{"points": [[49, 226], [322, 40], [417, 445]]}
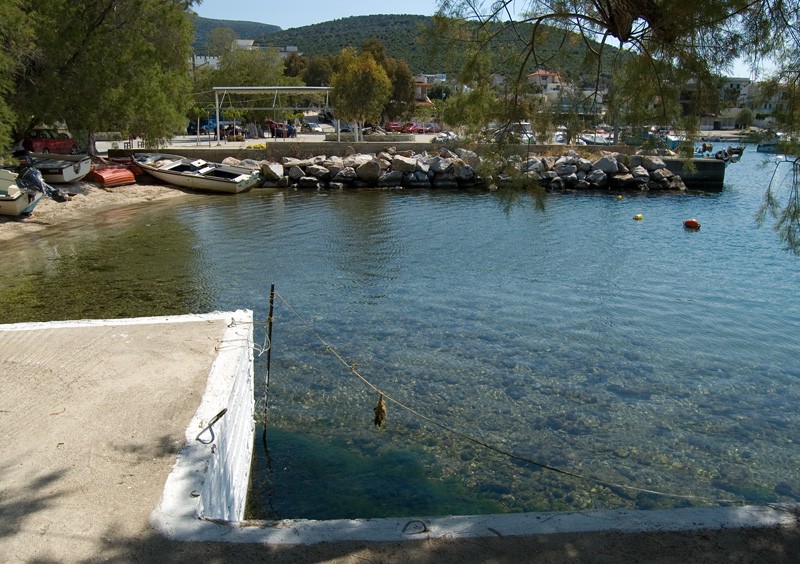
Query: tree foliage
{"points": [[663, 46], [16, 49], [220, 41], [101, 65], [361, 87]]}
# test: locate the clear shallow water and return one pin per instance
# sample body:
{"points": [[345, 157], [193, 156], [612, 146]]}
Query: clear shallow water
{"points": [[636, 352]]}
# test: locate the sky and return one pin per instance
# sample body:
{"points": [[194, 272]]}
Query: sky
{"points": [[319, 11]]}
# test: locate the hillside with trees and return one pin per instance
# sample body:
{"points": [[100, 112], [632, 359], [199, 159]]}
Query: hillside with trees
{"points": [[242, 29], [409, 38]]}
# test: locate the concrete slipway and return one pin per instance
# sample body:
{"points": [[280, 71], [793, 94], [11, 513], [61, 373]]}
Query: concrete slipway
{"points": [[116, 448]]}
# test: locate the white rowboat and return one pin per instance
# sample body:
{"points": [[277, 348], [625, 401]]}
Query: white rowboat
{"points": [[197, 174]]}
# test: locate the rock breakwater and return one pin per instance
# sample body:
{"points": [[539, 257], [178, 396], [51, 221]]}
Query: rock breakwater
{"points": [[462, 168]]}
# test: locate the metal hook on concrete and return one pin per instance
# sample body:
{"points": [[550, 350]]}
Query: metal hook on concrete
{"points": [[210, 428]]}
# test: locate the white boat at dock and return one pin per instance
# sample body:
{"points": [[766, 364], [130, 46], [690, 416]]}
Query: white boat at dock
{"points": [[197, 174]]}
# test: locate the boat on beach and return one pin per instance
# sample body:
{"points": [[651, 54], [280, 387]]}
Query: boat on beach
{"points": [[197, 174], [13, 200], [59, 169]]}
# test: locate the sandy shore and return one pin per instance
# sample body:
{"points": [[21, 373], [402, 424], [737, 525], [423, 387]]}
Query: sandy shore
{"points": [[89, 200]]}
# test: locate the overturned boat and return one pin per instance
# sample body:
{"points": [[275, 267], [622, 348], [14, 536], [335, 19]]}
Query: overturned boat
{"points": [[197, 174]]}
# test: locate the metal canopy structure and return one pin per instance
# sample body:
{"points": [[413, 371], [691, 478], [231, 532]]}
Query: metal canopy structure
{"points": [[221, 92]]}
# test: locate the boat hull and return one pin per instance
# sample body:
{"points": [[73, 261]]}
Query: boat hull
{"points": [[198, 174], [60, 169], [109, 177], [20, 203]]}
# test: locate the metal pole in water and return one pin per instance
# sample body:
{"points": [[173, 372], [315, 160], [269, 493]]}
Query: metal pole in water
{"points": [[269, 355]]}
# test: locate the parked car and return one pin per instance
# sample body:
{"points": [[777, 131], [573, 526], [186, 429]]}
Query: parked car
{"points": [[205, 127], [394, 126], [50, 141], [431, 128], [311, 127], [345, 128], [514, 133], [412, 127]]}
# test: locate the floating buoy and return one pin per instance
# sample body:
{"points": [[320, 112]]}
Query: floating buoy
{"points": [[691, 224], [619, 197], [638, 217]]}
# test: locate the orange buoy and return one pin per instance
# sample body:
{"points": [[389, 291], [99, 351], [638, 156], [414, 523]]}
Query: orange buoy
{"points": [[691, 224]]}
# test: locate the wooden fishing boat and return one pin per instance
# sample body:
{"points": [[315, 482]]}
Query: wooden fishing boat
{"points": [[197, 174], [13, 201], [57, 169]]}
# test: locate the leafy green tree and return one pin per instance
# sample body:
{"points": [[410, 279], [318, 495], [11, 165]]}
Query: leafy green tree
{"points": [[16, 46], [401, 101], [220, 41], [295, 64], [319, 71], [745, 118], [106, 65], [361, 88], [241, 67]]}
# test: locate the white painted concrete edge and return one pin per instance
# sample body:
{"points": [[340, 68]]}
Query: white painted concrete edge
{"points": [[209, 480], [188, 318], [473, 526]]}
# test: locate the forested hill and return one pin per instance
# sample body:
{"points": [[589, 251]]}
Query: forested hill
{"points": [[242, 29], [403, 35], [400, 33]]}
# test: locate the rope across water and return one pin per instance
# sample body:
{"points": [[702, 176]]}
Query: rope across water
{"points": [[469, 438]]}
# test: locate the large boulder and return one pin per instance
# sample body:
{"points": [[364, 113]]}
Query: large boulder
{"points": [[308, 182], [404, 164], [640, 174], [356, 160], [295, 173], [318, 171], [607, 164], [272, 171], [597, 178], [345, 176], [391, 178], [370, 171], [623, 181], [417, 179], [441, 165], [651, 163]]}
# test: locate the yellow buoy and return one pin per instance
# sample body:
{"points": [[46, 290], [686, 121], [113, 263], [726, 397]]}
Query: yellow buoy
{"points": [[619, 197], [638, 217]]}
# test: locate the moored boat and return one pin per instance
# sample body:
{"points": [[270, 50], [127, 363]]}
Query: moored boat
{"points": [[13, 200], [58, 169], [197, 174]]}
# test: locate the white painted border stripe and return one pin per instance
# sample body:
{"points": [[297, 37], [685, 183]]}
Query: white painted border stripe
{"points": [[475, 526], [72, 323]]}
